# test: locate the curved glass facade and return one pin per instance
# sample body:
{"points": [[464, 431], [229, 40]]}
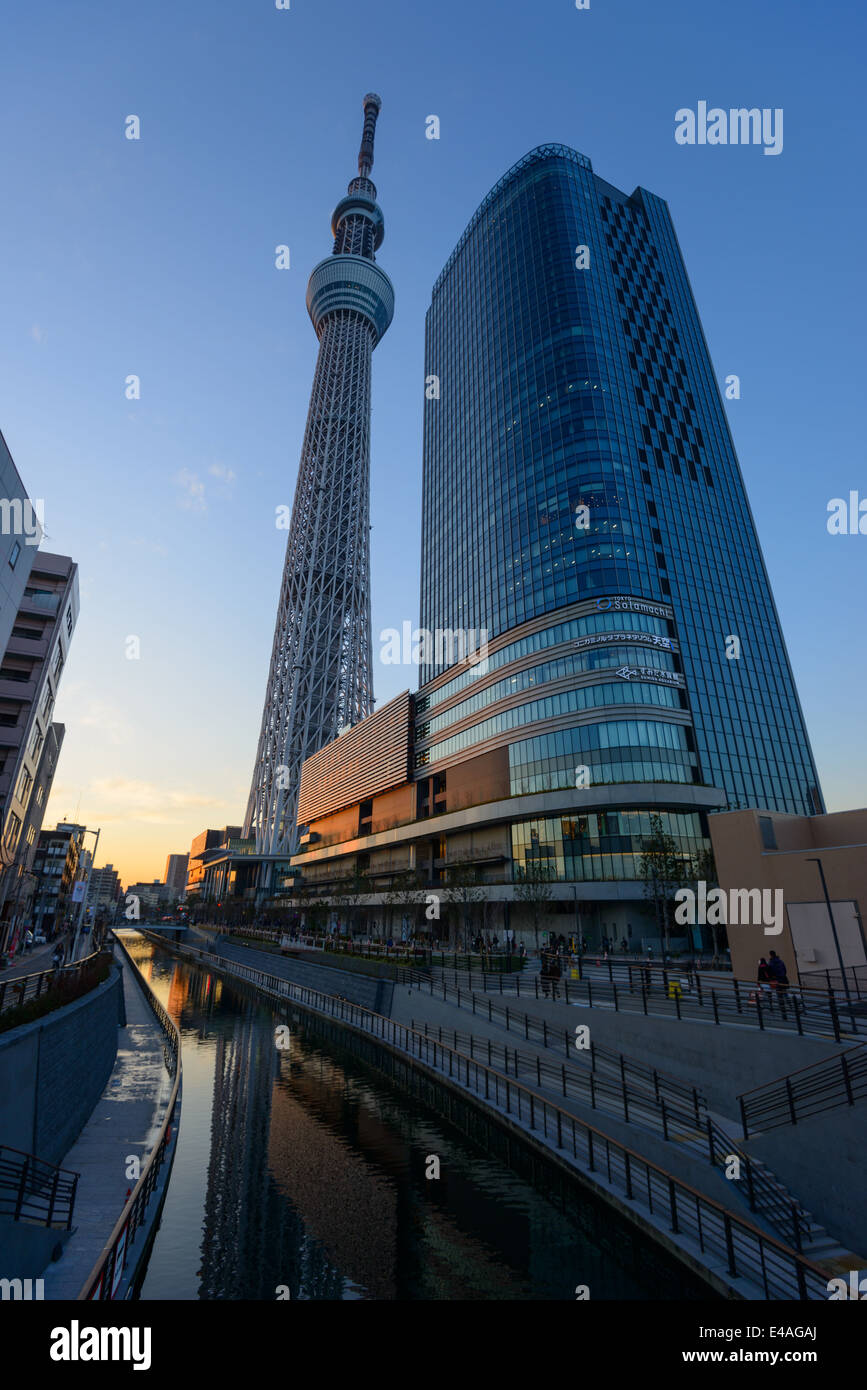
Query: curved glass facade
{"points": [[552, 707], [572, 379], [618, 750], [592, 624], [578, 664]]}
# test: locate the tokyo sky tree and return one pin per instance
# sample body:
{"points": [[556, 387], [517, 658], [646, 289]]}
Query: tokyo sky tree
{"points": [[320, 678]]}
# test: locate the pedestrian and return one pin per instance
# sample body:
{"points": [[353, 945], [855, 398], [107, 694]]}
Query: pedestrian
{"points": [[545, 973], [764, 975], [777, 968], [555, 973]]}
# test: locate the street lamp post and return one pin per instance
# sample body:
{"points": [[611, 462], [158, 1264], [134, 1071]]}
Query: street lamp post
{"points": [[833, 929]]}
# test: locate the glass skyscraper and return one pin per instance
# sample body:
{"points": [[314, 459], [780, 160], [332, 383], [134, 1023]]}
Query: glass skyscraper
{"points": [[599, 641], [583, 502]]}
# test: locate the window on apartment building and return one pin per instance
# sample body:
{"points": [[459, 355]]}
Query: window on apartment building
{"points": [[25, 782], [13, 670], [58, 663], [31, 634], [13, 830], [31, 834], [47, 703], [36, 742], [40, 794], [69, 620], [13, 555]]}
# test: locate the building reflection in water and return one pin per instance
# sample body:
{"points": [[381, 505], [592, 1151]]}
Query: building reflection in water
{"points": [[300, 1168]]}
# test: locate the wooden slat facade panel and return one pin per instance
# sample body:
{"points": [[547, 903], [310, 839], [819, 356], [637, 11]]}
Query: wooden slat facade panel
{"points": [[368, 759]]}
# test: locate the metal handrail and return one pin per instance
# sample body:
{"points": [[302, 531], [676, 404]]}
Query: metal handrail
{"points": [[780, 1271], [805, 1011], [104, 1278], [851, 977], [811, 1090], [35, 1190], [31, 986], [689, 1127]]}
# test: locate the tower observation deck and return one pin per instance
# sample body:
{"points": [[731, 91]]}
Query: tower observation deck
{"points": [[320, 676]]}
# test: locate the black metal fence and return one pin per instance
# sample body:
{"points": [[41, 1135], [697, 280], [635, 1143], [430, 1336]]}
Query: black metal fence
{"points": [[810, 1091], [852, 977], [638, 1095], [33, 1190], [670, 993], [26, 987]]}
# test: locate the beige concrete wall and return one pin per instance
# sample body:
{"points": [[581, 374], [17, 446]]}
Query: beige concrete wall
{"points": [[839, 839]]}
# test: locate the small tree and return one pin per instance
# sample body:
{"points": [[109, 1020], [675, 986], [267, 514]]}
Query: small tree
{"points": [[663, 870], [404, 892], [347, 893], [703, 870], [304, 900], [463, 891], [533, 890]]}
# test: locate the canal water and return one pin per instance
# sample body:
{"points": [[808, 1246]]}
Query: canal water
{"points": [[300, 1173]]}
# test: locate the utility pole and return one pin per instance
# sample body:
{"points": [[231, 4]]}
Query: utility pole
{"points": [[83, 903]]}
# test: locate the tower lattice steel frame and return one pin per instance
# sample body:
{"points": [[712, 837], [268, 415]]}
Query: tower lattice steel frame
{"points": [[320, 677]]}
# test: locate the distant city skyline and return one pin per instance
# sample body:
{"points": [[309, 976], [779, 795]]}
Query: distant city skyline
{"points": [[155, 258]]}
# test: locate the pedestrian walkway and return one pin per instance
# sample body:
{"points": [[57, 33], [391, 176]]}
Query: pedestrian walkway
{"points": [[125, 1124]]}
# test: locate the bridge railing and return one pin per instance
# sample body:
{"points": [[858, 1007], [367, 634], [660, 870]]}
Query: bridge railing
{"points": [[746, 1252], [104, 1279]]}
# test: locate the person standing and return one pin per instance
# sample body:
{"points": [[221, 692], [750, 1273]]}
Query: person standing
{"points": [[555, 972], [777, 968]]}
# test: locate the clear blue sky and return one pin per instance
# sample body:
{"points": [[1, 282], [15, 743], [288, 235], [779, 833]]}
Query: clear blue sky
{"points": [[156, 258]]}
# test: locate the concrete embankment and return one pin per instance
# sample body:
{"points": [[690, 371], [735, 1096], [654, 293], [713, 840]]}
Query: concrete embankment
{"points": [[368, 991], [52, 1071]]}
